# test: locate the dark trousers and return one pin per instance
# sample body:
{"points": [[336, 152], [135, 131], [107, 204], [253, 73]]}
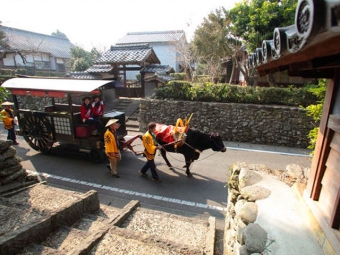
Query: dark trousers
{"points": [[11, 135], [150, 164]]}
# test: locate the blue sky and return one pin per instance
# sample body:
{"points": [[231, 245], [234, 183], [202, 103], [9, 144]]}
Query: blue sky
{"points": [[100, 23]]}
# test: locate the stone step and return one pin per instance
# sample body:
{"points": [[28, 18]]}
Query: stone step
{"points": [[33, 249], [120, 241], [65, 239], [32, 214], [191, 233], [83, 234], [55, 221]]}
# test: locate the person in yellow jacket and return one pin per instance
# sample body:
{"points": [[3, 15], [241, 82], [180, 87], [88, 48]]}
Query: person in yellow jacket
{"points": [[7, 116], [150, 144], [112, 146]]}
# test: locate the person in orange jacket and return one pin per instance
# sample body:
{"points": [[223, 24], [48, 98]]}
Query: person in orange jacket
{"points": [[112, 146], [8, 119], [150, 144]]}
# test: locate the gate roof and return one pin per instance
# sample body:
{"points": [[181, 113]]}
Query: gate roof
{"points": [[137, 54]]}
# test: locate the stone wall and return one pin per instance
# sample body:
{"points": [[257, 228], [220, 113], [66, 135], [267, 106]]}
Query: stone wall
{"points": [[250, 123], [10, 166], [243, 234]]}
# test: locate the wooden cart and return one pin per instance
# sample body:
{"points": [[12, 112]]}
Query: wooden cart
{"points": [[55, 119]]}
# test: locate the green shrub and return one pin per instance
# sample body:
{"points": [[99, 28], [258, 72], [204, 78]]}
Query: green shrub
{"points": [[315, 111], [179, 76], [226, 93]]}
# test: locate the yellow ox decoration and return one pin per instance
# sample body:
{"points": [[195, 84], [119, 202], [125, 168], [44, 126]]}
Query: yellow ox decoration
{"points": [[180, 129]]}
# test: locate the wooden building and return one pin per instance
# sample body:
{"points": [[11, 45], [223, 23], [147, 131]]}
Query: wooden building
{"points": [[39, 54], [310, 48]]}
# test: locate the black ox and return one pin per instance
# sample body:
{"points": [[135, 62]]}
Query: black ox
{"points": [[195, 142]]}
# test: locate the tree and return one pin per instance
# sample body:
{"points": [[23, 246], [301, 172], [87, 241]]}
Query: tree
{"points": [[255, 20], [59, 34], [185, 58], [213, 41], [5, 48], [82, 59]]}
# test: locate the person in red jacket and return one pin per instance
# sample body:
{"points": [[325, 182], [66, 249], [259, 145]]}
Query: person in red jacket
{"points": [[97, 107], [87, 115]]}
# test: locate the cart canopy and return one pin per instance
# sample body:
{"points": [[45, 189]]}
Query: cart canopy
{"points": [[30, 86]]}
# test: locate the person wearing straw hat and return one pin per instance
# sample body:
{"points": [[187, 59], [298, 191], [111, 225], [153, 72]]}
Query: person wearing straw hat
{"points": [[112, 146], [8, 119], [150, 144]]}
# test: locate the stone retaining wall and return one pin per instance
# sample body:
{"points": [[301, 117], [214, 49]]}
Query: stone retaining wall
{"points": [[250, 123], [242, 233]]}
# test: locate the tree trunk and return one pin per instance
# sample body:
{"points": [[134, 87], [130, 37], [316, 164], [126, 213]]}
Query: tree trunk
{"points": [[232, 71], [271, 80]]}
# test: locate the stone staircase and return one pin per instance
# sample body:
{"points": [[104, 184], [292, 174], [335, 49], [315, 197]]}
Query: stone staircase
{"points": [[131, 108], [40, 219]]}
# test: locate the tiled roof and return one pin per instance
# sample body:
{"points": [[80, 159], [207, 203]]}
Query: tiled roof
{"points": [[160, 78], [83, 75], [99, 69], [129, 55], [152, 37], [160, 69], [92, 73], [24, 40]]}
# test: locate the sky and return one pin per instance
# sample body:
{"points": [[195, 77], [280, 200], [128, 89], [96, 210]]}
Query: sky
{"points": [[101, 23]]}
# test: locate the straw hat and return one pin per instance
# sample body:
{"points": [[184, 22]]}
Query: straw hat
{"points": [[7, 103], [110, 122]]}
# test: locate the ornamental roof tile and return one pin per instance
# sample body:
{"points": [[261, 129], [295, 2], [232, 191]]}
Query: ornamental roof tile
{"points": [[23, 40], [309, 48], [152, 37]]}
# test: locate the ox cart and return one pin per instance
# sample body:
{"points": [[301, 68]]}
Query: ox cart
{"points": [[48, 112]]}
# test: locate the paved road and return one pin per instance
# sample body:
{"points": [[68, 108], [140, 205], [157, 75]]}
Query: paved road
{"points": [[202, 195]]}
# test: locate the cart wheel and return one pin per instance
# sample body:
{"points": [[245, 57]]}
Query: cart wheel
{"points": [[96, 155], [37, 132]]}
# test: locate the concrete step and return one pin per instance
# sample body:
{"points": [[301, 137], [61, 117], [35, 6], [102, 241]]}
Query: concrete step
{"points": [[132, 123], [132, 129]]}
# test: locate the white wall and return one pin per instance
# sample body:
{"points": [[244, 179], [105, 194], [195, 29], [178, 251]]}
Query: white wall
{"points": [[12, 58], [166, 54]]}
